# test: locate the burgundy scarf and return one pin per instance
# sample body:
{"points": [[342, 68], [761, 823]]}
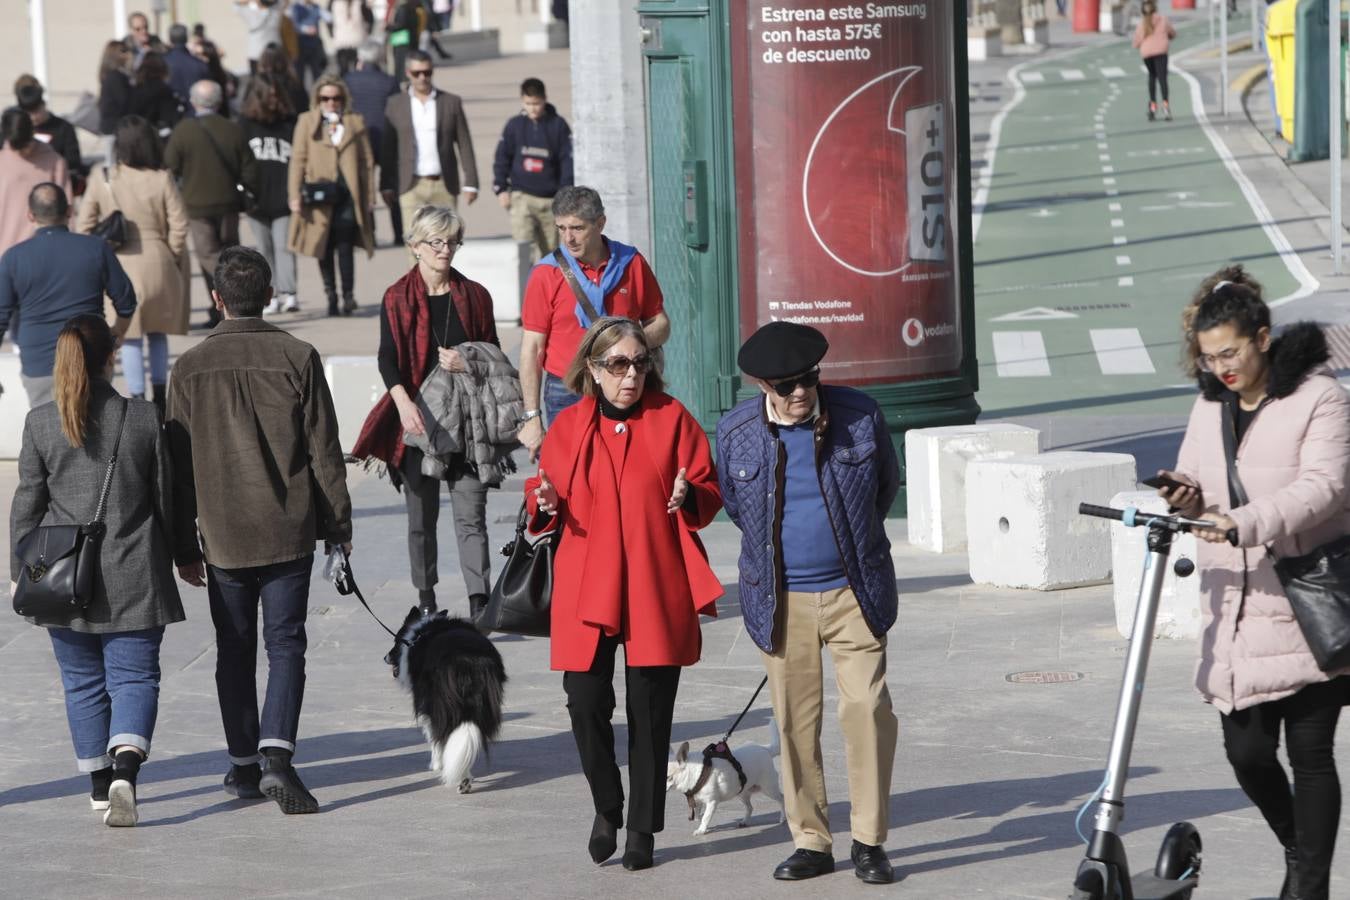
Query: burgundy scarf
{"points": [[405, 304]]}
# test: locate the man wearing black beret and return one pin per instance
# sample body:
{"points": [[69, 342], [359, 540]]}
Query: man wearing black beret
{"points": [[808, 472]]}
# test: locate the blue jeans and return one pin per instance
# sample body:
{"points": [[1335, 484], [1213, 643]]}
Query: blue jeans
{"points": [[556, 396], [235, 594], [133, 362], [112, 690]]}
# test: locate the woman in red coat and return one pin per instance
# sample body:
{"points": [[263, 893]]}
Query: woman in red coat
{"points": [[628, 475]]}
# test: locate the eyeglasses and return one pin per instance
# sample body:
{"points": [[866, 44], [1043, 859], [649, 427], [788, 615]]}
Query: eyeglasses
{"points": [[330, 98], [785, 387], [419, 73], [438, 245], [1207, 361], [618, 366]]}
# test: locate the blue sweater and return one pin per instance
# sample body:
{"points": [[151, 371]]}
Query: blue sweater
{"points": [[811, 559], [48, 279], [534, 157]]}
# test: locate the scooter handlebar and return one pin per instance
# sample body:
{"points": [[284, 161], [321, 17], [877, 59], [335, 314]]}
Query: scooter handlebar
{"points": [[1178, 523]]}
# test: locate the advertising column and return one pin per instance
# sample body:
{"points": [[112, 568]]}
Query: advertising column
{"points": [[845, 134]]}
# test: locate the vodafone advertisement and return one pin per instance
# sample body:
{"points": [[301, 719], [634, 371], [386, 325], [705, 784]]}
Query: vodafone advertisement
{"points": [[845, 137]]}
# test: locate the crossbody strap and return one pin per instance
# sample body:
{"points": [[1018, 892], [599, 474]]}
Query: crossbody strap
{"points": [[107, 180], [220, 154], [575, 285], [1237, 494], [112, 463]]}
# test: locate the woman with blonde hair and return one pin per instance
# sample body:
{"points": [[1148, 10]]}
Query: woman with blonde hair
{"points": [[1152, 37], [331, 197], [108, 652]]}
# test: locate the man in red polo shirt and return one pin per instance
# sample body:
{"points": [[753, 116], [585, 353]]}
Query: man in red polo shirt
{"points": [[616, 281]]}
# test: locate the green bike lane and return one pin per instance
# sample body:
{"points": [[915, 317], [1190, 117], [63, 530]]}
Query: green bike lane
{"points": [[1096, 226]]}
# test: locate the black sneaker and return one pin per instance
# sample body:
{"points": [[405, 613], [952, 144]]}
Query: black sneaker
{"points": [[98, 788], [282, 783], [242, 781]]}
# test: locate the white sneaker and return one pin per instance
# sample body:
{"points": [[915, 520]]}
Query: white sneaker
{"points": [[289, 303], [273, 307], [121, 811]]}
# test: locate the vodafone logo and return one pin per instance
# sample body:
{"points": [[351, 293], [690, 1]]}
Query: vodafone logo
{"points": [[914, 332]]}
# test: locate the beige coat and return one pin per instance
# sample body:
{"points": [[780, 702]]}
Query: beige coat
{"points": [[155, 254], [1294, 460], [314, 158]]}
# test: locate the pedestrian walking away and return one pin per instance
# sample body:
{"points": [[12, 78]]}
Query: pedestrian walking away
{"points": [[627, 474], [153, 99], [259, 473], [263, 20], [268, 120], [808, 473], [329, 190], [423, 129], [615, 280], [212, 160], [154, 255], [185, 69], [25, 162], [52, 277], [114, 92], [54, 131], [533, 160], [430, 319], [1152, 37], [370, 89], [89, 441], [1266, 451]]}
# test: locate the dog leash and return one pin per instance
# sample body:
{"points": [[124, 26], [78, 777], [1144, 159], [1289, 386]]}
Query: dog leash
{"points": [[763, 681], [338, 569], [722, 750]]}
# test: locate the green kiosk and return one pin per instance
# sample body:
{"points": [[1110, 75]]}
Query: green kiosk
{"points": [[810, 161]]}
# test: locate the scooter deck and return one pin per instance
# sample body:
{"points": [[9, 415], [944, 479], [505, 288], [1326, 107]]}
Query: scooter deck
{"points": [[1148, 886]]}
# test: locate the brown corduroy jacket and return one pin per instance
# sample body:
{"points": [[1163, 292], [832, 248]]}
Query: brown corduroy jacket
{"points": [[258, 469]]}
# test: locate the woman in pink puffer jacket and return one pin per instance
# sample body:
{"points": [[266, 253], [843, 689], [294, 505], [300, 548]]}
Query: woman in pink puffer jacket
{"points": [[1291, 421], [1153, 36]]}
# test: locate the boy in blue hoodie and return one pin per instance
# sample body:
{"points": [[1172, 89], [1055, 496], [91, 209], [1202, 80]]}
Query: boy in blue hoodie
{"points": [[534, 160]]}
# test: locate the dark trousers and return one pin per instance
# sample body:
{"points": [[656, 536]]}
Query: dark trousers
{"points": [[340, 246], [282, 589], [1309, 817], [651, 707], [468, 504], [1157, 76], [210, 235]]}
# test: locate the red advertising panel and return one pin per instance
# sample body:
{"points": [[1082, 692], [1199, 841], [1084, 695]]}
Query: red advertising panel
{"points": [[845, 138]]}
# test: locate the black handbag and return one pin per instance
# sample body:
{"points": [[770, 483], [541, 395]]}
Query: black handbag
{"points": [[321, 193], [60, 562], [1316, 584], [112, 227], [522, 596]]}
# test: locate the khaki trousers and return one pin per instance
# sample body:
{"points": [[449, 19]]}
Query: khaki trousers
{"points": [[532, 222], [424, 192], [832, 619]]}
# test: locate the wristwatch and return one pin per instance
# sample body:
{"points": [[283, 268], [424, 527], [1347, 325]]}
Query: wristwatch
{"points": [[527, 416]]}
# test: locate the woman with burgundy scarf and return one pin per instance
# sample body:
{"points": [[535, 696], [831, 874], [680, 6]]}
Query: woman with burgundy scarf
{"points": [[425, 315]]}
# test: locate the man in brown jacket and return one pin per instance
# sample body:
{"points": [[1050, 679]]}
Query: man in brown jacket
{"points": [[423, 126], [259, 472]]}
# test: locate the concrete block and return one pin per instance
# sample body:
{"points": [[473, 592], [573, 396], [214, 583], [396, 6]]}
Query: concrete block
{"points": [[983, 43], [1179, 606], [471, 46], [1022, 521], [935, 476], [13, 405], [356, 386], [501, 265], [541, 38], [1037, 33]]}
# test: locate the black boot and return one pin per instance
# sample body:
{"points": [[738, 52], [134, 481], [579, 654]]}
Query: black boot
{"points": [[159, 393], [1289, 890], [426, 601], [332, 302], [477, 603], [348, 304], [637, 852], [604, 836]]}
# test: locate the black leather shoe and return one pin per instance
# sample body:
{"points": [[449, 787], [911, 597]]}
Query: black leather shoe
{"points": [[870, 863], [282, 783], [637, 852], [804, 864], [242, 782], [604, 838]]}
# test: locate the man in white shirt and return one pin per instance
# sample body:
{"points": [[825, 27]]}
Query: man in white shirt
{"points": [[423, 128]]}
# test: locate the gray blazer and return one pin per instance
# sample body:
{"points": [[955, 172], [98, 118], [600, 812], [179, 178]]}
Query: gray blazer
{"points": [[59, 485]]}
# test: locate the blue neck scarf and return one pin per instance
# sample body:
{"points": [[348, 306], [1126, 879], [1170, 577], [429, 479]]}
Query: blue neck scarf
{"points": [[620, 255]]}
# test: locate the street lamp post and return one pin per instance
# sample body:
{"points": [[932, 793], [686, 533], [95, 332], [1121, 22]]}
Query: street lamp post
{"points": [[1336, 118], [37, 29]]}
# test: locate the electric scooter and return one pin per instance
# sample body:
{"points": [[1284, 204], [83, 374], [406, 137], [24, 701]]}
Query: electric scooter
{"points": [[1104, 873]]}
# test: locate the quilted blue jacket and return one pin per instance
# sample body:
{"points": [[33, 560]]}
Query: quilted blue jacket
{"points": [[859, 477]]}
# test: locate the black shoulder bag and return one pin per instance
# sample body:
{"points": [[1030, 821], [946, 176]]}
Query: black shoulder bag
{"points": [[1316, 584], [60, 562], [245, 197], [521, 600], [657, 354], [112, 227]]}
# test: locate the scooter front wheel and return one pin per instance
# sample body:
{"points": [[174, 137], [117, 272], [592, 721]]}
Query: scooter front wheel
{"points": [[1088, 886], [1180, 854]]}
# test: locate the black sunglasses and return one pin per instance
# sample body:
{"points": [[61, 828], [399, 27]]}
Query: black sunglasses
{"points": [[419, 73], [618, 365], [785, 387]]}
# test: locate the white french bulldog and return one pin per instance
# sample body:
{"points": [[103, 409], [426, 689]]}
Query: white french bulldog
{"points": [[761, 776]]}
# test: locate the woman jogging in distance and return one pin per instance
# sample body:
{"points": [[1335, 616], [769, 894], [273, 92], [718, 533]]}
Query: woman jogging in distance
{"points": [[1152, 37]]}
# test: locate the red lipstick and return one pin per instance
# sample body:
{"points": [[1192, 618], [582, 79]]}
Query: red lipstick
{"points": [[1229, 378]]}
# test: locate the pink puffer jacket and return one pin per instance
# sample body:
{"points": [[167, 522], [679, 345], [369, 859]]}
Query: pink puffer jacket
{"points": [[1294, 462]]}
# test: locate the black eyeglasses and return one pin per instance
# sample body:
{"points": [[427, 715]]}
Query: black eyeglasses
{"points": [[785, 387], [330, 98], [419, 73], [618, 365]]}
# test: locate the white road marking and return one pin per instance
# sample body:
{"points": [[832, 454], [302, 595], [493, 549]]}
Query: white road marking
{"points": [[1121, 351], [1101, 145], [1032, 77], [1119, 240], [1122, 260], [1104, 157], [1113, 193], [1113, 72], [1113, 207], [1035, 312], [1125, 281], [1108, 169], [1117, 223], [1020, 354], [1108, 181], [1072, 74]]}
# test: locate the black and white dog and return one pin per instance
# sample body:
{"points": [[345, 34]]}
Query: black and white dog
{"points": [[455, 676]]}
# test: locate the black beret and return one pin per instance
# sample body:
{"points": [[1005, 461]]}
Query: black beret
{"points": [[780, 349]]}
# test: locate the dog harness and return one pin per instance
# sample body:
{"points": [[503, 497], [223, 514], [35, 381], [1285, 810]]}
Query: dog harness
{"points": [[719, 750]]}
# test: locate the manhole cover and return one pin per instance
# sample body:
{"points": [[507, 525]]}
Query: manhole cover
{"points": [[1043, 677]]}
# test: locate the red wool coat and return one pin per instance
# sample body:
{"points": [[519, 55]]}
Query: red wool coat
{"points": [[625, 566]]}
